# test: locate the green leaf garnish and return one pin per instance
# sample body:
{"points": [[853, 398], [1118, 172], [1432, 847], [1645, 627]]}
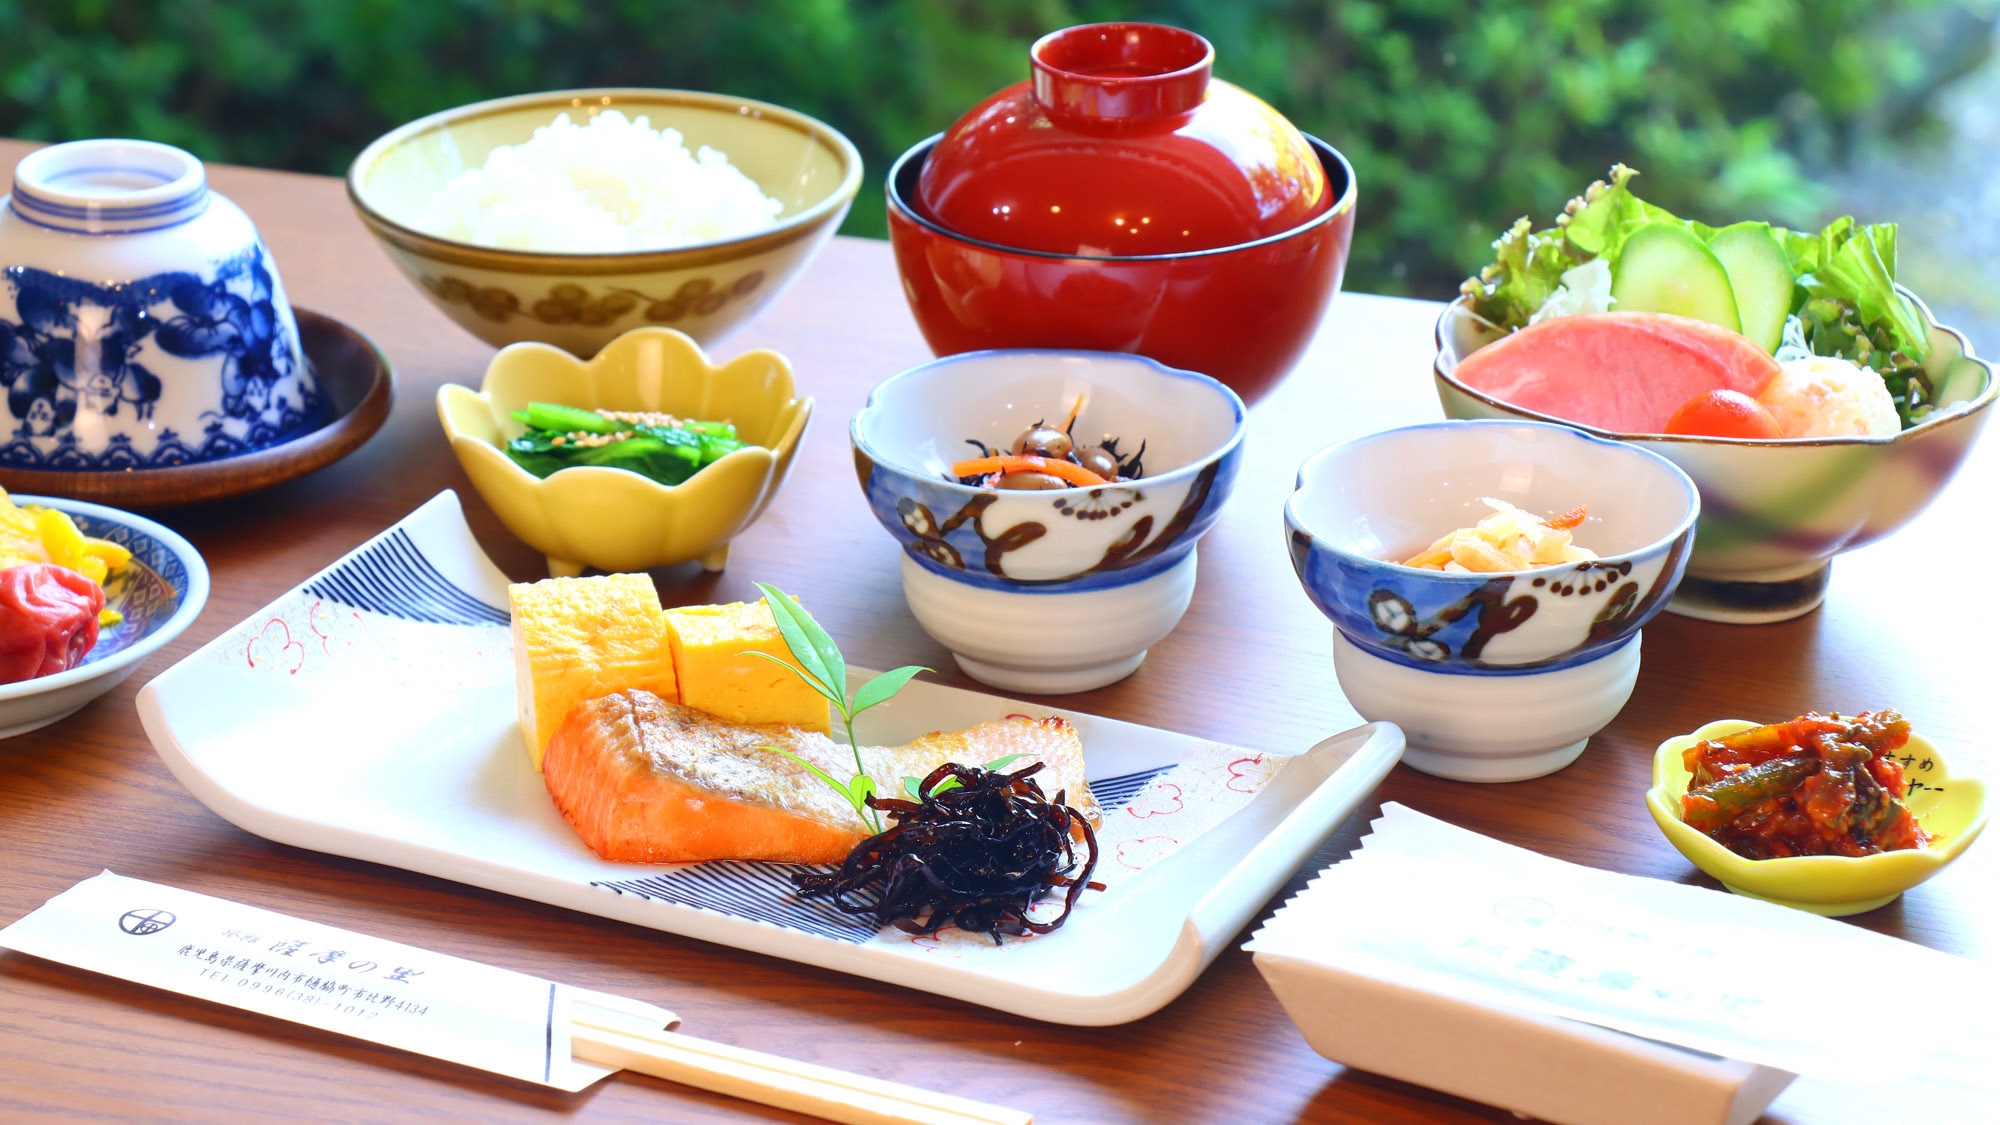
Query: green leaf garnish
{"points": [[811, 680], [878, 690], [807, 642], [823, 669]]}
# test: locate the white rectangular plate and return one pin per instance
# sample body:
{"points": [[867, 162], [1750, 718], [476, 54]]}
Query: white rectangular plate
{"points": [[370, 713]]}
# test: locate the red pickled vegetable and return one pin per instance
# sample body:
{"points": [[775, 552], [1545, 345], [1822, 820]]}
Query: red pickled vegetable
{"points": [[1726, 414], [1815, 785], [48, 620]]}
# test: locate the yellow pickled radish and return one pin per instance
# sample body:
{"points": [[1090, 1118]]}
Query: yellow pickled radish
{"points": [[112, 555], [60, 538], [45, 535], [1509, 539]]}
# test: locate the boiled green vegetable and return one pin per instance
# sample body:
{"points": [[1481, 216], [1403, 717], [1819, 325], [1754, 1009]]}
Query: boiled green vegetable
{"points": [[666, 449]]}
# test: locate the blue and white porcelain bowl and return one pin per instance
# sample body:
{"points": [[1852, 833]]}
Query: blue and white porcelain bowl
{"points": [[160, 592], [1493, 677], [1061, 590], [142, 323]]}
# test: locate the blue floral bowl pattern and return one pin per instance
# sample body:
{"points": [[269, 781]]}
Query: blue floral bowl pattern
{"points": [[267, 393], [918, 422], [142, 324], [1388, 495], [160, 593], [148, 592]]}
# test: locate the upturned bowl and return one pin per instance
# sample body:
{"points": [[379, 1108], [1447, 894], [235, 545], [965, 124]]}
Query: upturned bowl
{"points": [[1242, 313], [1048, 591], [1493, 677], [1776, 512], [581, 302], [613, 519], [160, 592], [142, 322], [1951, 808]]}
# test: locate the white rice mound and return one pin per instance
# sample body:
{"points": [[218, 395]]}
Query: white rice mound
{"points": [[608, 186], [1826, 396]]}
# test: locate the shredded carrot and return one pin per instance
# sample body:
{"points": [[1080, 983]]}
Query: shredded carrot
{"points": [[1020, 463], [1569, 519]]}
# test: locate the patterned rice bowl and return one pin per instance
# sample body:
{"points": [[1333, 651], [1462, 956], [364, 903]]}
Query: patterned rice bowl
{"points": [[1048, 591], [581, 302], [1774, 513], [160, 593], [1493, 677]]}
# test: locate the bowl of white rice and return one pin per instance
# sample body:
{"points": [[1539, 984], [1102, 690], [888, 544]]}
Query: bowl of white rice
{"points": [[572, 217]]}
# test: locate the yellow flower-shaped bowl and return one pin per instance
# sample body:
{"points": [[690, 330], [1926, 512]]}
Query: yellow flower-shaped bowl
{"points": [[613, 519], [1952, 809]]}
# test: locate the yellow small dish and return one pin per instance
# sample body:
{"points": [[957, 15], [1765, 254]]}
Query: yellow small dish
{"points": [[613, 519], [1952, 809]]}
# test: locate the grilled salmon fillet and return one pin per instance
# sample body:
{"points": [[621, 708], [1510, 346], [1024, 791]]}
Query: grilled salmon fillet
{"points": [[643, 780]]}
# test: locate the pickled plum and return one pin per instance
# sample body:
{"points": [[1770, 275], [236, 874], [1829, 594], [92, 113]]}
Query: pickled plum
{"points": [[48, 620]]}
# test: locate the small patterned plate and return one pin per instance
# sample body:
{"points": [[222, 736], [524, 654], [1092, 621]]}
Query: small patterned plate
{"points": [[159, 593]]}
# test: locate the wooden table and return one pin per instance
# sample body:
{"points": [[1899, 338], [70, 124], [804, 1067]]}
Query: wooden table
{"points": [[1905, 625]]}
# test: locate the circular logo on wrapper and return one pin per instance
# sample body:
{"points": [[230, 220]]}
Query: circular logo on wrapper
{"points": [[139, 923]]}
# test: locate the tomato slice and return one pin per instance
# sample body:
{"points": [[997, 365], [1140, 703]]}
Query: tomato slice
{"points": [[1724, 414]]}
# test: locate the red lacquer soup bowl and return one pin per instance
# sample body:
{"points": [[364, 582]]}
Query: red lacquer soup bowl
{"points": [[1242, 313]]}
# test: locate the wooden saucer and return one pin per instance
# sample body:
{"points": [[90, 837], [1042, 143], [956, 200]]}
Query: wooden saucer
{"points": [[353, 372]]}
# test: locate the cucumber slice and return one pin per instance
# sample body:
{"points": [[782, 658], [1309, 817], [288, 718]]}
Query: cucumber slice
{"points": [[1760, 276], [1665, 269]]}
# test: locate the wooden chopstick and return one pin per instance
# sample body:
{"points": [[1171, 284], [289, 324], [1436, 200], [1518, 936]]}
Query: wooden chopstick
{"points": [[822, 1091]]}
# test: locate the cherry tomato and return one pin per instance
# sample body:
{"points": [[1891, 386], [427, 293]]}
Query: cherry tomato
{"points": [[1726, 414]]}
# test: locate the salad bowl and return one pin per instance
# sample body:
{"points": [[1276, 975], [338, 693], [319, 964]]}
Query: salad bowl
{"points": [[581, 302], [1060, 590], [611, 518], [1502, 676], [1949, 807], [160, 592], [1817, 404], [1776, 511]]}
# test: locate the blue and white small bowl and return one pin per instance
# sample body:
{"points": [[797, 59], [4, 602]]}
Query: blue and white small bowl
{"points": [[142, 324], [1493, 677], [160, 593], [1061, 590]]}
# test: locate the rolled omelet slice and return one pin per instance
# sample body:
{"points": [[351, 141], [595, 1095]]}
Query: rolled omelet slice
{"points": [[577, 639]]}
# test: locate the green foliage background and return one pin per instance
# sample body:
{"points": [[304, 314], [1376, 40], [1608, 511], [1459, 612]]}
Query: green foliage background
{"points": [[1457, 115]]}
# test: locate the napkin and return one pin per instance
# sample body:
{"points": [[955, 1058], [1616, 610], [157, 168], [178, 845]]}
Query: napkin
{"points": [[1432, 906], [327, 977]]}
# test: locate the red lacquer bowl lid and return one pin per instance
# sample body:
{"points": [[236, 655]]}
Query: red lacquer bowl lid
{"points": [[1121, 143]]}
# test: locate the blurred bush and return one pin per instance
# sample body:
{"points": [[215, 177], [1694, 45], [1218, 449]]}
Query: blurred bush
{"points": [[1458, 116]]}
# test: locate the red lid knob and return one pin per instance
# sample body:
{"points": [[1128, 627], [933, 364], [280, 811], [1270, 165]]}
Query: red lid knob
{"points": [[1120, 74], [1121, 144]]}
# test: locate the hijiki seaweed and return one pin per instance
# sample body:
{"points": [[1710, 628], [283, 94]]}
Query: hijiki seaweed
{"points": [[1046, 456], [977, 850]]}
